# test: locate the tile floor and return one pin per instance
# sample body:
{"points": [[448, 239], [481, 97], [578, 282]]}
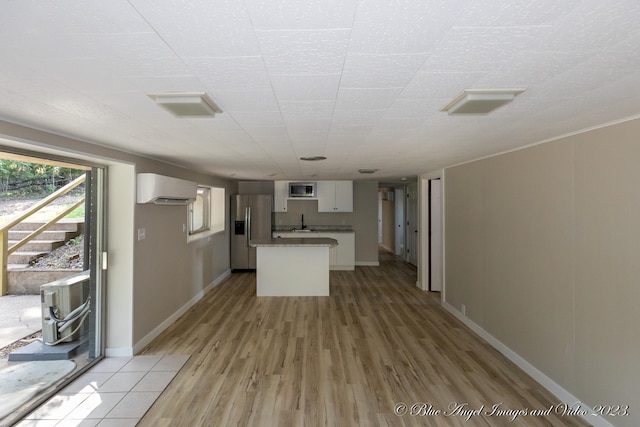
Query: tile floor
{"points": [[117, 392]]}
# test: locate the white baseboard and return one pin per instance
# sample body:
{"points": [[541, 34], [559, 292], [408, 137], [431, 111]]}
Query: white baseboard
{"points": [[118, 352], [137, 347], [367, 263], [557, 390]]}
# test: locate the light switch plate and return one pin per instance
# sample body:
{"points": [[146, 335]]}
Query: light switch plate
{"points": [[142, 233]]}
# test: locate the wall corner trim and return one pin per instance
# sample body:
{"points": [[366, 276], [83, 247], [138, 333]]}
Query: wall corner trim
{"points": [[557, 390], [137, 347]]}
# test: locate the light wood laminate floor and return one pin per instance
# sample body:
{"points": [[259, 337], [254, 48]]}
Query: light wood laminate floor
{"points": [[344, 360]]}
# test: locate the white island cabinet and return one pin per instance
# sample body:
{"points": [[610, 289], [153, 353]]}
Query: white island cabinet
{"points": [[341, 257], [292, 267]]}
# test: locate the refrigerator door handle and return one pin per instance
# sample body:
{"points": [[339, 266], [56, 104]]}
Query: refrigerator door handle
{"points": [[248, 222]]}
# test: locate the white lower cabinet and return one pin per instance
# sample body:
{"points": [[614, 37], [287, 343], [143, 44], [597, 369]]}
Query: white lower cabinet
{"points": [[341, 257]]}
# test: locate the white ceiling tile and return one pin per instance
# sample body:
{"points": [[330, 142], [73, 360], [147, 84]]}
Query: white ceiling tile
{"points": [[439, 84], [380, 71], [366, 98], [164, 84], [404, 26], [258, 119], [507, 13], [304, 52], [316, 87], [473, 49], [231, 73], [347, 118], [593, 25], [294, 14], [246, 100], [115, 16], [308, 110], [202, 28]]}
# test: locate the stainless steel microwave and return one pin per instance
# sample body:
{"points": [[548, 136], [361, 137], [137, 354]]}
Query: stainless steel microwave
{"points": [[302, 189]]}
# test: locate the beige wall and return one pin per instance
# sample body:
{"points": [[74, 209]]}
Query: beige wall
{"points": [[364, 218], [169, 272], [541, 247]]}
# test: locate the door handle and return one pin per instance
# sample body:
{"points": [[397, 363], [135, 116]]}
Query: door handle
{"points": [[248, 224]]}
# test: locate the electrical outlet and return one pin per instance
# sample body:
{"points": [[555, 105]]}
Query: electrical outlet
{"points": [[142, 233], [184, 228], [463, 308]]}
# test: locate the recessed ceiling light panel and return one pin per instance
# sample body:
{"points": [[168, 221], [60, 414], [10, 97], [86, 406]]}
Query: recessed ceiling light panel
{"points": [[368, 170], [187, 104], [480, 101]]}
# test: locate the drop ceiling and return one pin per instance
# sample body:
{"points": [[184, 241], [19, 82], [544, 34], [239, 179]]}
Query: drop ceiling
{"points": [[359, 82]]}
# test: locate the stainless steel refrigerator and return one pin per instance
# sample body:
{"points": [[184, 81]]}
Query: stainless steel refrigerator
{"points": [[250, 219]]}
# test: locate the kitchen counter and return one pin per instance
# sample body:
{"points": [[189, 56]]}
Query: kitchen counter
{"points": [[292, 266], [314, 229], [294, 242]]}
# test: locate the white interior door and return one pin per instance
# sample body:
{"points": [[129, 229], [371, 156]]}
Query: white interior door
{"points": [[412, 224], [435, 235], [399, 201], [379, 218]]}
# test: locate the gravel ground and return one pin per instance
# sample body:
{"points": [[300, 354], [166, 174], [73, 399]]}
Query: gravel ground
{"points": [[68, 256], [5, 351]]}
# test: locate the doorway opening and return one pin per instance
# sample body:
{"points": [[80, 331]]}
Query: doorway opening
{"points": [[51, 245], [435, 235]]}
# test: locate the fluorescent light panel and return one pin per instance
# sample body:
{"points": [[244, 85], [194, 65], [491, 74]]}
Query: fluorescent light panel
{"points": [[188, 104], [480, 101]]}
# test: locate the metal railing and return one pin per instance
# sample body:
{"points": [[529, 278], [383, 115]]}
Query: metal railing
{"points": [[5, 250]]}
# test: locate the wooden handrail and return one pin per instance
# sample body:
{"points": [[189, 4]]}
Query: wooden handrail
{"points": [[44, 227], [44, 202], [4, 229]]}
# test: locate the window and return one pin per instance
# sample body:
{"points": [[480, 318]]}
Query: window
{"points": [[199, 217], [206, 213]]}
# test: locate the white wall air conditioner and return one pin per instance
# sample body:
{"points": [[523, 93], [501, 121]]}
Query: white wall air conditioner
{"points": [[165, 190]]}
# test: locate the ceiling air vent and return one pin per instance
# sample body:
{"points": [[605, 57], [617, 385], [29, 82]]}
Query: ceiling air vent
{"points": [[187, 104], [480, 101], [368, 170]]}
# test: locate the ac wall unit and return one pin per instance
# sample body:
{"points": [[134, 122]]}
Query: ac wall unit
{"points": [[165, 190]]}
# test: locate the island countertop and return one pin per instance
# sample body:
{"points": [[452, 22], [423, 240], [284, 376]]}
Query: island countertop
{"points": [[298, 242]]}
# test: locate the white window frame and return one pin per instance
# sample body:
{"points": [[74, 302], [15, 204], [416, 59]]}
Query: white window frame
{"points": [[214, 212]]}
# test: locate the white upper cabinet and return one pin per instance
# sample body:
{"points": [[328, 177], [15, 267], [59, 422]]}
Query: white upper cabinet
{"points": [[335, 196], [280, 195]]}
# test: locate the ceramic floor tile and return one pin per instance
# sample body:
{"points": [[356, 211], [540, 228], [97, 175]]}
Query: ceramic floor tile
{"points": [[134, 405], [171, 363], [37, 423], [58, 407], [155, 381], [111, 364], [87, 383], [97, 405], [78, 423], [141, 363], [122, 422], [121, 381]]}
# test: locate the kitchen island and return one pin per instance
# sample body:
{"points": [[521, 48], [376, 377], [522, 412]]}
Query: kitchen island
{"points": [[292, 267]]}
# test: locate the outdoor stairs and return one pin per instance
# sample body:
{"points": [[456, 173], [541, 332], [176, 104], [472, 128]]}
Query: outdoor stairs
{"points": [[57, 235]]}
